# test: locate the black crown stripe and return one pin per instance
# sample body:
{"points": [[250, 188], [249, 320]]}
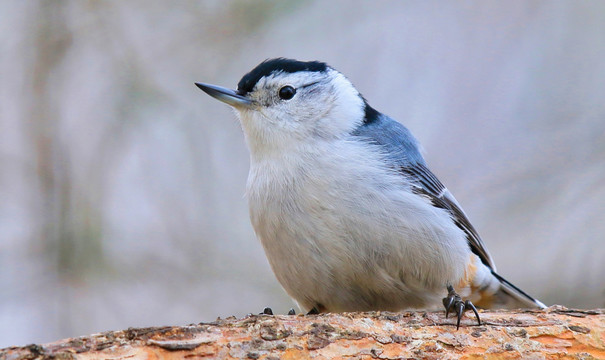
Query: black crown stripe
{"points": [[270, 66]]}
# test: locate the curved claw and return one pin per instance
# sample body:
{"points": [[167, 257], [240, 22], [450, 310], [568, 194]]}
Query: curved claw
{"points": [[459, 311], [267, 311], [469, 305], [291, 312], [453, 303]]}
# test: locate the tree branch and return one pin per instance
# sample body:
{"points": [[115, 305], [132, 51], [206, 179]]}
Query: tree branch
{"points": [[555, 333]]}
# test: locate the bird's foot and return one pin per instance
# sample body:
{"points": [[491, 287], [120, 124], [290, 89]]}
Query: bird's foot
{"points": [[314, 311], [454, 303], [267, 311]]}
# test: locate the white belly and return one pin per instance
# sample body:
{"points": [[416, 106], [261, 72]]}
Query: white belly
{"points": [[346, 234]]}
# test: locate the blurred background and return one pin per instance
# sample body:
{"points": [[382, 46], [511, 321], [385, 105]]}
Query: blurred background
{"points": [[122, 184]]}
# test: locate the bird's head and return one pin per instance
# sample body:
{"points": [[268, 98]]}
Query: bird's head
{"points": [[283, 103]]}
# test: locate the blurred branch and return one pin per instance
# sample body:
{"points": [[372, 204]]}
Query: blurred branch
{"points": [[555, 333]]}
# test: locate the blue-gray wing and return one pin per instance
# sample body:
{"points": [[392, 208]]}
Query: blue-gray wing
{"points": [[403, 153]]}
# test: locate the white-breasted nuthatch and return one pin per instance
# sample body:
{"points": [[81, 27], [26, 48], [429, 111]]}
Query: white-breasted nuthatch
{"points": [[349, 215]]}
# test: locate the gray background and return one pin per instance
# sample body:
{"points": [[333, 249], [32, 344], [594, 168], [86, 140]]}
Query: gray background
{"points": [[121, 184]]}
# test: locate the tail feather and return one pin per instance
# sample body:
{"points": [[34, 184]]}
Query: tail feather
{"points": [[513, 291]]}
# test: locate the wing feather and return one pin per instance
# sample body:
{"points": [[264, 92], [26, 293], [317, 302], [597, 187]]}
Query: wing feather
{"points": [[428, 185], [402, 152]]}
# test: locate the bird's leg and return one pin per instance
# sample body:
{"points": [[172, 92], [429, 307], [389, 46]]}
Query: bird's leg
{"points": [[453, 302]]}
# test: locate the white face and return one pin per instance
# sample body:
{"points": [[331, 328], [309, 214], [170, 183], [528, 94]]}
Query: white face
{"points": [[325, 106]]}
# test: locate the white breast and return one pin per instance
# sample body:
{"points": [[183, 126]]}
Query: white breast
{"points": [[341, 230]]}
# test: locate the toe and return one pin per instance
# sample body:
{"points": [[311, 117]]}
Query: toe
{"points": [[448, 303], [459, 312], [469, 305]]}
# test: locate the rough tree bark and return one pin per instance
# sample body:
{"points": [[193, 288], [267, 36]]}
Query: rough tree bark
{"points": [[556, 333]]}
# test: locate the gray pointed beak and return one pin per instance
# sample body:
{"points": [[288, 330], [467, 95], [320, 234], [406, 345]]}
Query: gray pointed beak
{"points": [[225, 95]]}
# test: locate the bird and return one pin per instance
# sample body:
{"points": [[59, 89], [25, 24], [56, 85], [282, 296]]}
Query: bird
{"points": [[343, 202]]}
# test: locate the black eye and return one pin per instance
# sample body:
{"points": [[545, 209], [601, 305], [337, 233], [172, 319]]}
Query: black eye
{"points": [[287, 92]]}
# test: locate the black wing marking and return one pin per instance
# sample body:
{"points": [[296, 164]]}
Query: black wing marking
{"points": [[402, 153], [428, 185]]}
